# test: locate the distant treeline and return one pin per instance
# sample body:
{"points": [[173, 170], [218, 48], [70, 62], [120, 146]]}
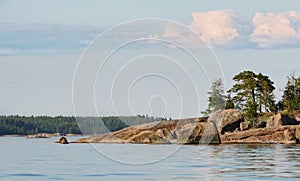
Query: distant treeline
{"points": [[68, 125]]}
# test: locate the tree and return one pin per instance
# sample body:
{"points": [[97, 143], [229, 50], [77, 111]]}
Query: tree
{"points": [[245, 94], [216, 97], [253, 92], [265, 93], [229, 102], [291, 94]]}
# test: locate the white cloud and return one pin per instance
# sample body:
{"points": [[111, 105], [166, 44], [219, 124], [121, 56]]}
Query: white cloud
{"points": [[227, 29], [219, 27], [276, 29]]}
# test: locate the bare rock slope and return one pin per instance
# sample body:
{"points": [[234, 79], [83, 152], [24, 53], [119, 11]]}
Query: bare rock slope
{"points": [[225, 126]]}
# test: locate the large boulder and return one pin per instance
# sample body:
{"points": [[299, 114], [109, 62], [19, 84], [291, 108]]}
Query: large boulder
{"points": [[227, 120], [274, 121], [189, 133], [280, 120], [197, 133], [210, 135]]}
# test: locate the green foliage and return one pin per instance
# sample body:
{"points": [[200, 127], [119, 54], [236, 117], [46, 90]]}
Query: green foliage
{"points": [[291, 94], [253, 92], [216, 97], [229, 102], [88, 125], [265, 94]]}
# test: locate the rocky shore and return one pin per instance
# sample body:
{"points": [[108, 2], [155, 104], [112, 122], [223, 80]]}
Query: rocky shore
{"points": [[48, 135], [225, 126]]}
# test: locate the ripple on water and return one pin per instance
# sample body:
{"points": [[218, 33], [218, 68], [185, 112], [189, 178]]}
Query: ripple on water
{"points": [[25, 175]]}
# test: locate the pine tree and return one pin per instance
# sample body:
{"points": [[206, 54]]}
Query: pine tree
{"points": [[216, 97], [265, 90], [291, 94], [253, 92]]}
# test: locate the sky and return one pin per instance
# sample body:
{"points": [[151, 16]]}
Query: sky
{"points": [[54, 54]]}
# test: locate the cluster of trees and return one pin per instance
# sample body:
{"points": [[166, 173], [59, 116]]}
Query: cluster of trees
{"points": [[254, 93], [68, 125], [41, 124], [291, 95]]}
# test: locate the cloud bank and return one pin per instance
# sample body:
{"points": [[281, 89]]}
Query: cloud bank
{"points": [[223, 28], [227, 29], [219, 27], [276, 29]]}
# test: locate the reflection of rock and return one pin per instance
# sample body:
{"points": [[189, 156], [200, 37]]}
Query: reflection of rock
{"points": [[62, 140], [227, 120]]}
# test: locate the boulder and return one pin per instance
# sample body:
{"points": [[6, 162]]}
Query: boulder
{"points": [[195, 133], [289, 136], [273, 135], [189, 133], [164, 133], [274, 121], [210, 135], [227, 120], [62, 140], [297, 117], [244, 126], [147, 137], [297, 134], [280, 120]]}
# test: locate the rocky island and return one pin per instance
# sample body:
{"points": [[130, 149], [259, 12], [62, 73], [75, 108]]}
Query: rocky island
{"points": [[223, 127]]}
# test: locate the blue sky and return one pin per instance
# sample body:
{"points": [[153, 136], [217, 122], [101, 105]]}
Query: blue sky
{"points": [[41, 44]]}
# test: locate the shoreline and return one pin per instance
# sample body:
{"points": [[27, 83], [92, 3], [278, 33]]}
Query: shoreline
{"points": [[41, 135], [232, 129]]}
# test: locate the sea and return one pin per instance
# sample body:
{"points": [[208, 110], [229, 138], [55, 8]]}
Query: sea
{"points": [[42, 159]]}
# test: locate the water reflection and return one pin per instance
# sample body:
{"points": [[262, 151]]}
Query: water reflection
{"points": [[257, 161], [42, 159]]}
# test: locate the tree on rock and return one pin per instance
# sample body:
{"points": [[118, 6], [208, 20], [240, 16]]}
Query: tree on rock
{"points": [[253, 93], [216, 97], [265, 93], [291, 94], [229, 102]]}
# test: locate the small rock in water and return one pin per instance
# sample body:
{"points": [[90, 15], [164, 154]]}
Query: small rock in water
{"points": [[62, 140]]}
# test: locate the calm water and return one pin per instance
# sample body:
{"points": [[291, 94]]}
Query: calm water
{"points": [[41, 159]]}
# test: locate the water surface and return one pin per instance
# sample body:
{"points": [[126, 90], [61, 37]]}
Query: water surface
{"points": [[41, 159]]}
